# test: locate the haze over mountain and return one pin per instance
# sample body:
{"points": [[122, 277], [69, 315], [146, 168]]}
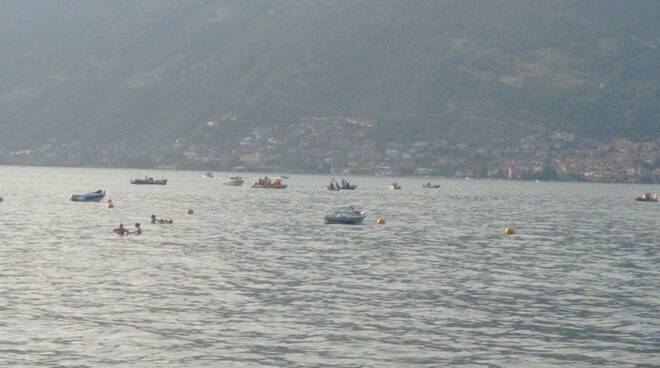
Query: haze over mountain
{"points": [[142, 74]]}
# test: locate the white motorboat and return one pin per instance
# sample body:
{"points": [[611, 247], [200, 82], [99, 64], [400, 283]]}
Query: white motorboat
{"points": [[235, 181], [349, 215]]}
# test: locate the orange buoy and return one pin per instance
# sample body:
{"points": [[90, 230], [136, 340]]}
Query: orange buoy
{"points": [[190, 211], [380, 221], [509, 230]]}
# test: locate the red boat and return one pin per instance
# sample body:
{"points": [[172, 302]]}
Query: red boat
{"points": [[647, 197]]}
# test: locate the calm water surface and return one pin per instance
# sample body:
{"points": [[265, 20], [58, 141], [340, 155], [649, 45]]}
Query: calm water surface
{"points": [[254, 279]]}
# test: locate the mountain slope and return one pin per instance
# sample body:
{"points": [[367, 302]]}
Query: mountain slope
{"points": [[123, 72]]}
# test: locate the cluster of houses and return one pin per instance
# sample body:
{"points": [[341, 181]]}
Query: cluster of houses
{"points": [[356, 146]]}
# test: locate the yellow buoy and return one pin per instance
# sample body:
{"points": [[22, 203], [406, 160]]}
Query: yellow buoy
{"points": [[190, 211], [380, 221], [110, 205], [509, 230]]}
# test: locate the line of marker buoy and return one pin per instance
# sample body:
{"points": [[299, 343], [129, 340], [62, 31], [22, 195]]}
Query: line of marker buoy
{"points": [[380, 221]]}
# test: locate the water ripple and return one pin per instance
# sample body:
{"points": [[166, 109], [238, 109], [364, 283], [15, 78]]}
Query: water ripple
{"points": [[254, 279]]}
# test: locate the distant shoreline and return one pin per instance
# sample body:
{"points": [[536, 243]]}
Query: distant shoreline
{"points": [[299, 172]]}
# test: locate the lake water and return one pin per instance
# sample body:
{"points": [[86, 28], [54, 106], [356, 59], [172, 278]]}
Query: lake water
{"points": [[255, 279]]}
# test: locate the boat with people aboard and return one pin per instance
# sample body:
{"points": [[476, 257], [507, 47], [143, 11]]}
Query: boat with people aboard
{"points": [[342, 185], [395, 186], [208, 175], [148, 180], [96, 196], [268, 183], [647, 197], [431, 186], [235, 181], [349, 215]]}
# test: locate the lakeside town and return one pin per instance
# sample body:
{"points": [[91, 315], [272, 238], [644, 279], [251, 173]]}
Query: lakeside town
{"points": [[352, 146]]}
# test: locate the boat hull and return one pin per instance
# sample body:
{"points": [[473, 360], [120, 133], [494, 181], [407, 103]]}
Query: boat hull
{"points": [[233, 183], [336, 189], [343, 221], [88, 197], [149, 182], [257, 186], [641, 199]]}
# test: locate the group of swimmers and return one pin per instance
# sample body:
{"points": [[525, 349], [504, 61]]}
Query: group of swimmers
{"points": [[121, 230]]}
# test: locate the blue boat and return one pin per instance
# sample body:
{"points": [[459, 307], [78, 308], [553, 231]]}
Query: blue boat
{"points": [[88, 197]]}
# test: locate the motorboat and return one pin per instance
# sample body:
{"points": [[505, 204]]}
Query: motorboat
{"points": [[149, 181], [268, 183], [88, 197], [342, 185], [235, 181], [349, 215], [345, 185], [395, 186], [208, 175], [647, 197], [431, 186]]}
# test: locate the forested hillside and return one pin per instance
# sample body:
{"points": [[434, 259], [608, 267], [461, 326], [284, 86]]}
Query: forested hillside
{"points": [[137, 75]]}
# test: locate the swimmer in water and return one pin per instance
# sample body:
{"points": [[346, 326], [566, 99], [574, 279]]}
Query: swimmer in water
{"points": [[121, 230], [137, 230], [155, 220]]}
